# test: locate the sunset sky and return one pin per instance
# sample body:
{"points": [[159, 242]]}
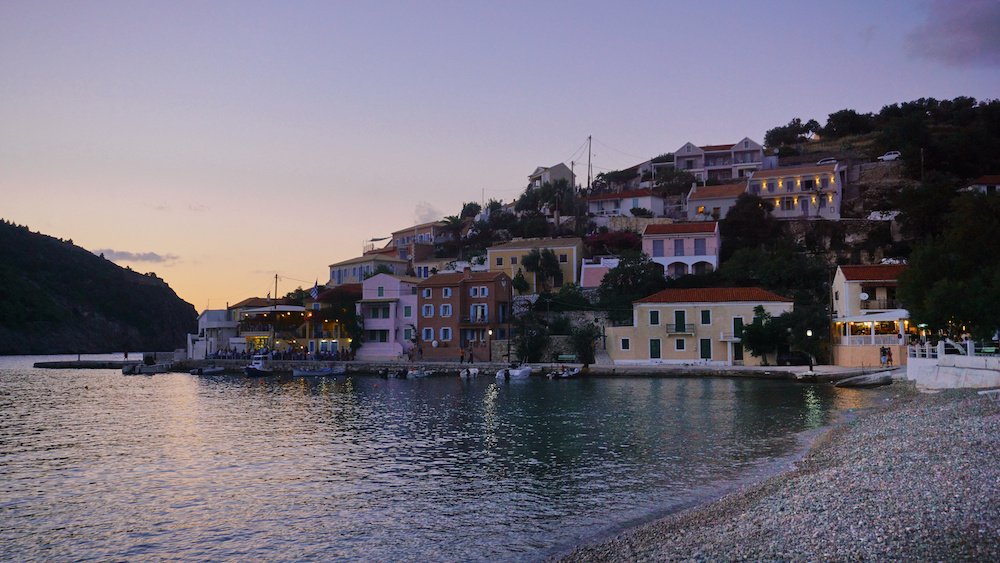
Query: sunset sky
{"points": [[216, 143]]}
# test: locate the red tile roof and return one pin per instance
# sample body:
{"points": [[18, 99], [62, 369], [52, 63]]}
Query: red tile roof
{"points": [[714, 295], [718, 192], [717, 147], [876, 272], [681, 228], [794, 171], [623, 195], [986, 180], [454, 278]]}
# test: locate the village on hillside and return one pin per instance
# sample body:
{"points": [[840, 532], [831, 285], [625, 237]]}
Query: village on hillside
{"points": [[786, 252]]}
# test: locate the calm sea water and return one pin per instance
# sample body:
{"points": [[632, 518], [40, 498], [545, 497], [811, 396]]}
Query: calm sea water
{"points": [[97, 465]]}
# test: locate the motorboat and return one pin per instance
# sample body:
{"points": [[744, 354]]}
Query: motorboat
{"points": [[867, 380], [259, 366], [324, 371], [417, 373], [521, 372], [468, 373], [564, 373], [145, 369]]}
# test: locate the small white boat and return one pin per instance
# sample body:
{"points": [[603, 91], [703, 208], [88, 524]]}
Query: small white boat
{"points": [[417, 373], [319, 372], [468, 373], [521, 372], [208, 370], [564, 373], [259, 367]]}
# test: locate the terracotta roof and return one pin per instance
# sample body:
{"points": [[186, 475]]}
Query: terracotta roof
{"points": [[592, 275], [252, 302], [717, 147], [714, 295], [421, 226], [724, 191], [386, 250], [681, 228], [368, 258], [454, 278], [538, 243], [989, 180], [875, 272], [794, 171], [623, 195]]}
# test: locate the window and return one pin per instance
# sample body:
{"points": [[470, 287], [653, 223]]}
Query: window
{"points": [[679, 344], [699, 246], [446, 310], [478, 313], [808, 184], [701, 210], [678, 247], [706, 317], [474, 291], [427, 311], [654, 348], [680, 319], [315, 306], [824, 183], [428, 334], [562, 258], [789, 184], [445, 333], [446, 292], [657, 248], [787, 204], [770, 187], [738, 327], [754, 188], [689, 164], [407, 311], [407, 334], [626, 344], [635, 202], [483, 291], [513, 260], [499, 260], [427, 293], [654, 317], [381, 291], [746, 144]]}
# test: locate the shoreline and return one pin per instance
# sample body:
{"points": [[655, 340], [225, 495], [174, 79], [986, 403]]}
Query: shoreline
{"points": [[917, 478]]}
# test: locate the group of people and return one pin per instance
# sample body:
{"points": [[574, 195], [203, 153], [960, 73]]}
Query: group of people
{"points": [[885, 356], [339, 355]]}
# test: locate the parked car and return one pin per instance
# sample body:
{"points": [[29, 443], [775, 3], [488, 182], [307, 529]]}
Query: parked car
{"points": [[891, 155], [826, 161], [793, 358]]}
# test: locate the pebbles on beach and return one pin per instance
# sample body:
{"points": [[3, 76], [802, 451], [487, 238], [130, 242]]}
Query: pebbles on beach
{"points": [[919, 479]]}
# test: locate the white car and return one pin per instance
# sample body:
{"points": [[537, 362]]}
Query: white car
{"points": [[891, 155], [826, 161]]}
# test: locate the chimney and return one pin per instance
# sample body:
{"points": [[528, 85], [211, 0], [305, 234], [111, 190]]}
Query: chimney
{"points": [[467, 272]]}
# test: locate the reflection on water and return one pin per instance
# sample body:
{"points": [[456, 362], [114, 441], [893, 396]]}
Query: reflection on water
{"points": [[98, 465]]}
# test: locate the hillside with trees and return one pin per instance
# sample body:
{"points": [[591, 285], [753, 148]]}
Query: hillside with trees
{"points": [[60, 298]]}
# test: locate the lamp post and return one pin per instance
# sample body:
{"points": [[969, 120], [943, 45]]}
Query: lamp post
{"points": [[809, 334], [489, 345]]}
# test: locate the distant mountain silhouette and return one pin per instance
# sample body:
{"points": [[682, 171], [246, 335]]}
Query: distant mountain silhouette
{"points": [[56, 297]]}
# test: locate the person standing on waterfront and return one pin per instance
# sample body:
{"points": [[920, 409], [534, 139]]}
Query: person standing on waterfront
{"points": [[461, 355], [888, 357], [882, 356]]}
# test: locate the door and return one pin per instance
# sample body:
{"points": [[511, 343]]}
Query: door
{"points": [[654, 348], [737, 352], [706, 348], [679, 320]]}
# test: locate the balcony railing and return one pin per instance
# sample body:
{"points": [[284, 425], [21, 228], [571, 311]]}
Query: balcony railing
{"points": [[880, 304], [678, 328], [479, 320]]}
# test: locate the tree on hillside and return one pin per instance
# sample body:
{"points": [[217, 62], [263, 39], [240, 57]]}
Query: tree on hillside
{"points": [[544, 264], [953, 280], [470, 210], [848, 122], [749, 224], [614, 242], [672, 182], [635, 277], [924, 208], [792, 134]]}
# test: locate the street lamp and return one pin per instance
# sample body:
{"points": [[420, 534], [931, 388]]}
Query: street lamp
{"points": [[489, 345], [809, 334]]}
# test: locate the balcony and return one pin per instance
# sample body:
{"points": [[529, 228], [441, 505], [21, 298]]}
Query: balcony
{"points": [[879, 304], [731, 337], [678, 328], [475, 321]]}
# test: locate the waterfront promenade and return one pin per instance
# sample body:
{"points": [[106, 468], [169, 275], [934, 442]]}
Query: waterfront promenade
{"points": [[917, 479]]}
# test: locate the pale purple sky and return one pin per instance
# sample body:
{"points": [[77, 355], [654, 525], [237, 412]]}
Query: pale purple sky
{"points": [[219, 142]]}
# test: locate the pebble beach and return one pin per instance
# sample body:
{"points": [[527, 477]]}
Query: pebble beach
{"points": [[915, 479]]}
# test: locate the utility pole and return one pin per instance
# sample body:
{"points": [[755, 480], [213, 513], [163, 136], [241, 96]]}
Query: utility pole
{"points": [[590, 168]]}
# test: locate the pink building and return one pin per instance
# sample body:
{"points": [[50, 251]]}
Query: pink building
{"points": [[683, 248], [388, 309]]}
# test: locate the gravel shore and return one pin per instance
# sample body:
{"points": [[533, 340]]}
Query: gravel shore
{"points": [[918, 479]]}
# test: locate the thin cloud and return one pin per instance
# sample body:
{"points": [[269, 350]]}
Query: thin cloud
{"points": [[959, 33], [425, 213], [125, 256]]}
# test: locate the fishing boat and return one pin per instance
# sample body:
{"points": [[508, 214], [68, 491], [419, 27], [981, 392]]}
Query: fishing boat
{"points": [[521, 372], [259, 367], [324, 371]]}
